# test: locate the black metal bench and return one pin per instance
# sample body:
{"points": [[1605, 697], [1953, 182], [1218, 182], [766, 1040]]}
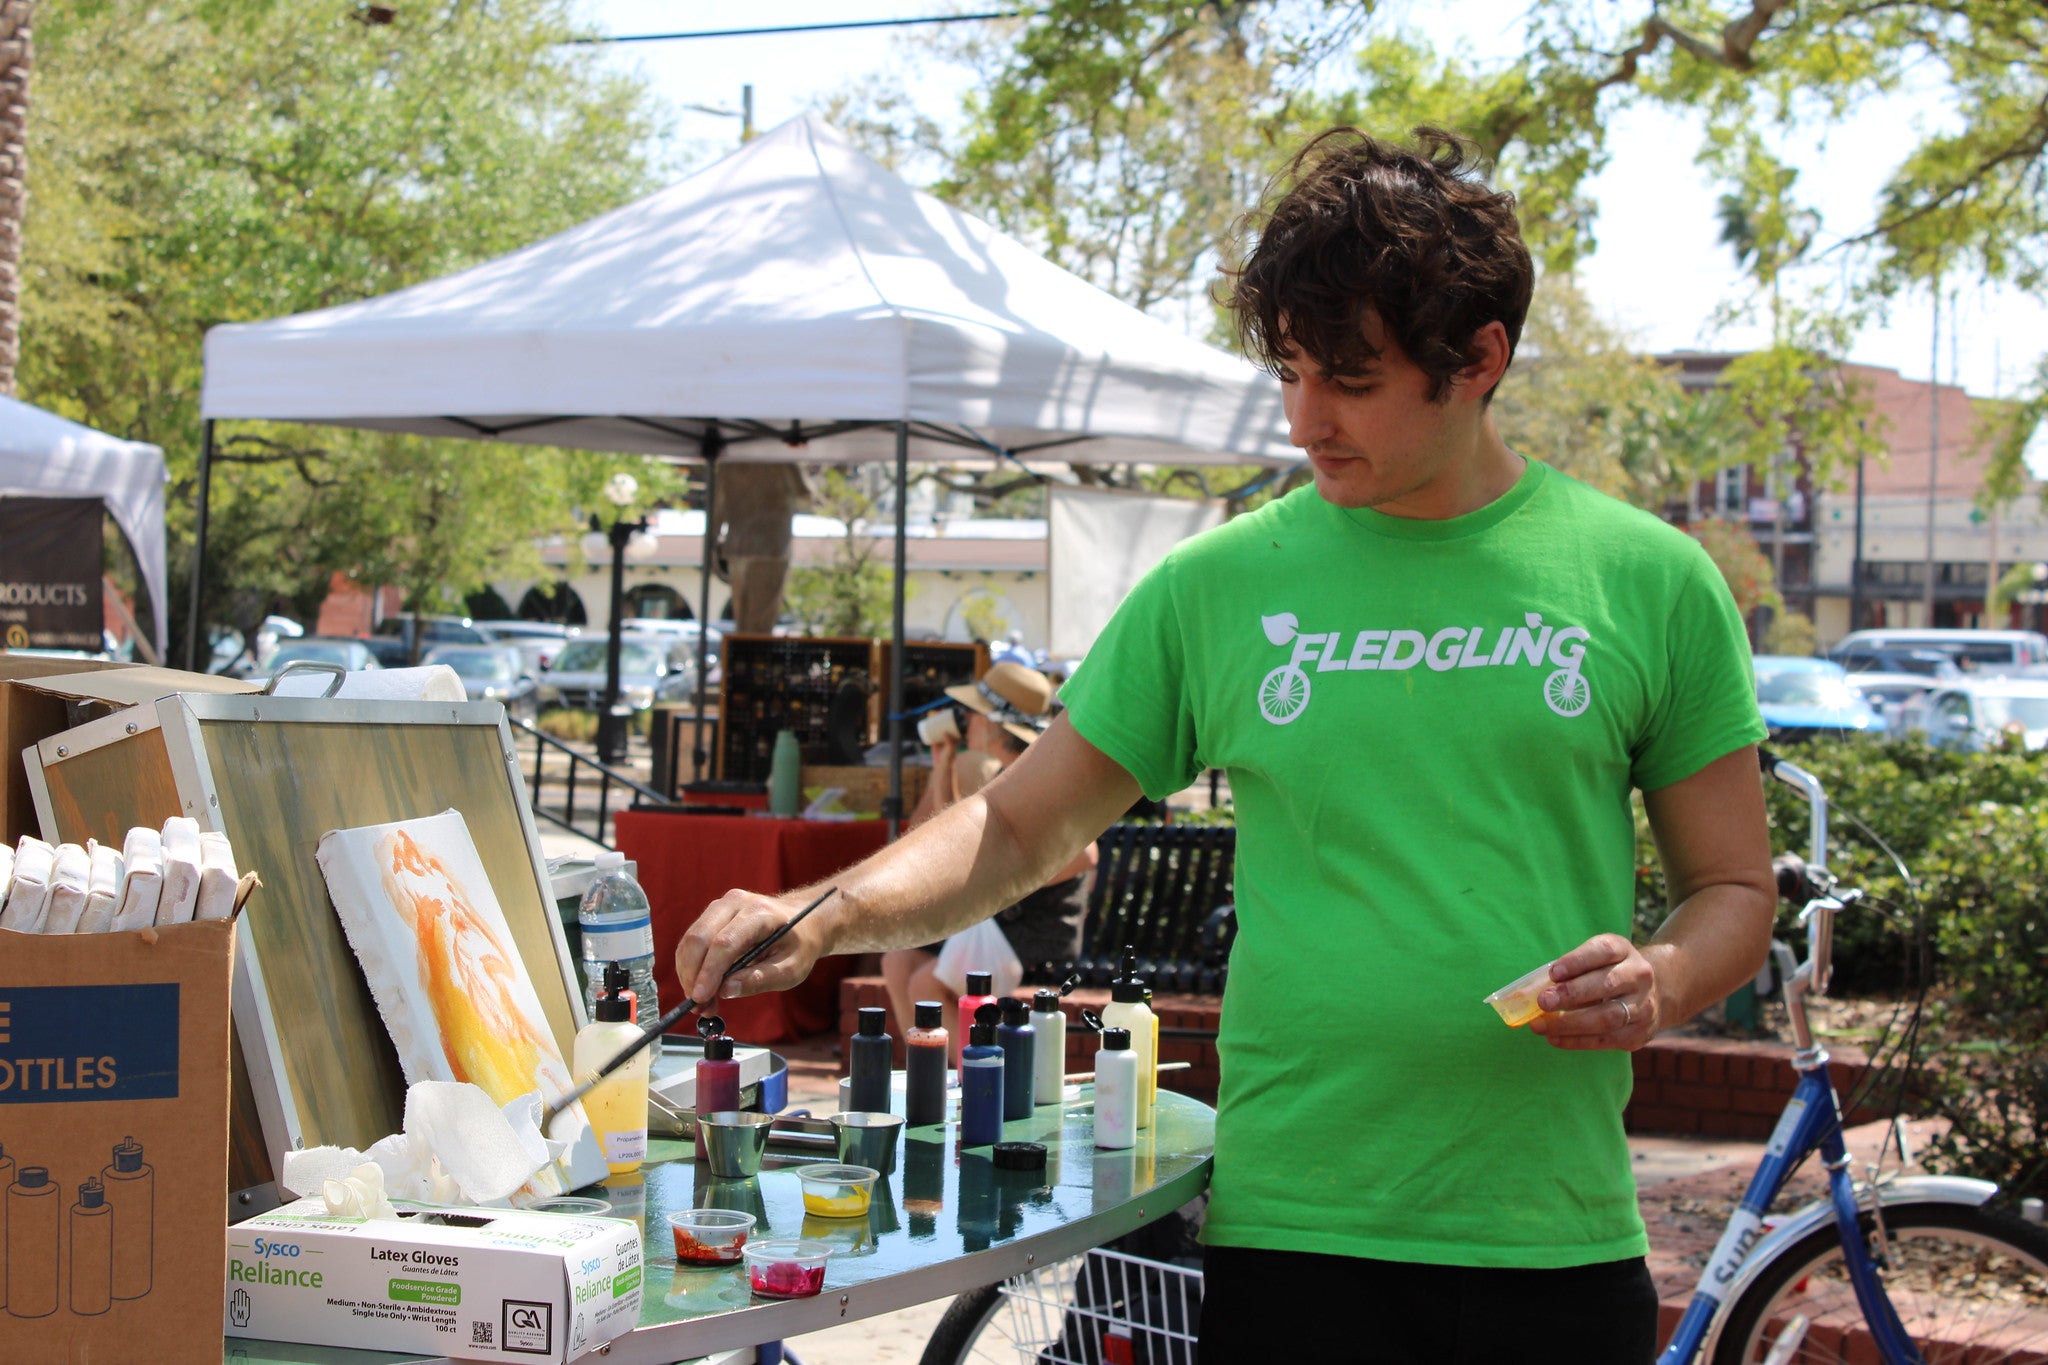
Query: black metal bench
{"points": [[1166, 892]]}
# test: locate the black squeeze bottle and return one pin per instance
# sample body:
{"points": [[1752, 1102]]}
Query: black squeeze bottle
{"points": [[1015, 1037], [872, 1052], [928, 1050]]}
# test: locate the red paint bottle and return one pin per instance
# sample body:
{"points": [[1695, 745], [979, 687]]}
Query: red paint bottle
{"points": [[718, 1080], [927, 1049], [980, 991]]}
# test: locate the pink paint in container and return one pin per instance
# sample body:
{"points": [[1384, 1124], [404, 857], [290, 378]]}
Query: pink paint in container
{"points": [[786, 1267]]}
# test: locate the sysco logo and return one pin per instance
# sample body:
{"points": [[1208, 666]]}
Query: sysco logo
{"points": [[267, 1248]]}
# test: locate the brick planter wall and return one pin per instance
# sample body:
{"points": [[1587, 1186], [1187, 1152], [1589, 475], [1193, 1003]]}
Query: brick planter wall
{"points": [[1706, 1087]]}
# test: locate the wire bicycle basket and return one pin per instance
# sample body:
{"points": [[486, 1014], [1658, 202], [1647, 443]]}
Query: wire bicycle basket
{"points": [[1105, 1308]]}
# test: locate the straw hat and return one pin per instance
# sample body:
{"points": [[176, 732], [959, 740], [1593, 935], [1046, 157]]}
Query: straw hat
{"points": [[1018, 698]]}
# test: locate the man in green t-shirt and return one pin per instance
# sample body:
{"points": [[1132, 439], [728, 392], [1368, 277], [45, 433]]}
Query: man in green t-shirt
{"points": [[1435, 679]]}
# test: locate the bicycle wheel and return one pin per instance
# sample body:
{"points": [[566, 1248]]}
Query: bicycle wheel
{"points": [[1019, 1321], [1969, 1285]]}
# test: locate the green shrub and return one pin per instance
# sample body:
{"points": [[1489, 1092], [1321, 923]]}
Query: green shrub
{"points": [[571, 727]]}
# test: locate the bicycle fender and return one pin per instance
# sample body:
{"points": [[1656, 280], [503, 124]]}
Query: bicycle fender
{"points": [[1919, 1189]]}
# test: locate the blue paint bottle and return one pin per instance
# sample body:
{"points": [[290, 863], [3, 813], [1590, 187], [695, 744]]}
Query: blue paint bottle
{"points": [[981, 1081], [1016, 1037]]}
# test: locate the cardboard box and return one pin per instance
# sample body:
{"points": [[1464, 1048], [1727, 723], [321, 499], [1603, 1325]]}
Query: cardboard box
{"points": [[42, 696], [489, 1284], [113, 1143]]}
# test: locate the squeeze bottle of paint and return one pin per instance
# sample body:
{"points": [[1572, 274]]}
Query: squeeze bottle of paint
{"points": [[927, 1049], [92, 1250], [1128, 1010], [718, 1080], [1116, 1091], [131, 1194], [1048, 1049], [981, 1081], [871, 1053], [32, 1244], [980, 991], [1016, 1038], [617, 1107]]}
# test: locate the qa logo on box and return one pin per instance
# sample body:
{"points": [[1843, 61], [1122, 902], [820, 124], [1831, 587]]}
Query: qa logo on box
{"points": [[527, 1327]]}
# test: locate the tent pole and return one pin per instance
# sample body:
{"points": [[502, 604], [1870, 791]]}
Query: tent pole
{"points": [[893, 806], [713, 444], [192, 628]]}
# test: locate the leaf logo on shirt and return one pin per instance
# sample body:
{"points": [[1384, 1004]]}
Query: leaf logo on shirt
{"points": [[1283, 693]]}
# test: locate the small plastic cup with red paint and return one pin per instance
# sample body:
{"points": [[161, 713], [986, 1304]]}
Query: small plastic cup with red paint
{"points": [[786, 1267], [710, 1238]]}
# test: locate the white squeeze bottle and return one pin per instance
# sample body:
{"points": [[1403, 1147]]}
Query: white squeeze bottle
{"points": [[617, 1106], [1049, 1060], [1128, 1010], [617, 928], [1116, 1091]]}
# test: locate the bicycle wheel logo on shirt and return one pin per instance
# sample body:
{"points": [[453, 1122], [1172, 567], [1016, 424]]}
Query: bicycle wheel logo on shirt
{"points": [[1284, 692]]}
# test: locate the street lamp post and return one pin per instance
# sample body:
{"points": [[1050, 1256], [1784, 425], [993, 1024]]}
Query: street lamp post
{"points": [[613, 720]]}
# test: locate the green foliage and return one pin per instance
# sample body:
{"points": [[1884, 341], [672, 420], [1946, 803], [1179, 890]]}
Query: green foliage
{"points": [[852, 596], [571, 727], [1790, 632], [199, 163], [1741, 563]]}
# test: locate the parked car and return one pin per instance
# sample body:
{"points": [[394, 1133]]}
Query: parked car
{"points": [[1801, 698], [1975, 651], [353, 655], [539, 641], [1980, 713], [651, 668], [492, 673], [393, 641], [1893, 695], [1897, 659]]}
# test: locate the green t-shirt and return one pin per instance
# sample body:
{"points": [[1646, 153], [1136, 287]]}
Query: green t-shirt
{"points": [[1431, 730]]}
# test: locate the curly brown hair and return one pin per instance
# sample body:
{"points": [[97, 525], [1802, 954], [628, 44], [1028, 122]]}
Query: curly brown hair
{"points": [[1409, 233]]}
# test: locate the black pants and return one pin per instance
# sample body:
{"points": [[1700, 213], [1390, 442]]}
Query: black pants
{"points": [[1260, 1306]]}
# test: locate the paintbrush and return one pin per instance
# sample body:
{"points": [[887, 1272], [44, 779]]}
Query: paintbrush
{"points": [[675, 1016]]}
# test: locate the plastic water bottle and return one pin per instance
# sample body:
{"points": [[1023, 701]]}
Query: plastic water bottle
{"points": [[617, 928]]}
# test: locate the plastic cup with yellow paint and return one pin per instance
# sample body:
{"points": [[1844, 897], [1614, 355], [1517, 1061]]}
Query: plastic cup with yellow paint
{"points": [[1516, 1001]]}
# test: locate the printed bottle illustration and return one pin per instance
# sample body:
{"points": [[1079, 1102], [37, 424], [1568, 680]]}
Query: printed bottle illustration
{"points": [[131, 1194], [6, 1179], [92, 1250], [32, 1244]]}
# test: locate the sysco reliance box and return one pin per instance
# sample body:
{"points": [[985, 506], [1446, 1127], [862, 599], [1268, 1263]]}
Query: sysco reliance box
{"points": [[479, 1284]]}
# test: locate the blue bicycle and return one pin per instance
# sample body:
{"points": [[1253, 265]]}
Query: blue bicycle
{"points": [[1900, 1270]]}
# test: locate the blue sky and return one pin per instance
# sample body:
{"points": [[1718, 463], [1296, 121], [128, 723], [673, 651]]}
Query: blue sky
{"points": [[1658, 270]]}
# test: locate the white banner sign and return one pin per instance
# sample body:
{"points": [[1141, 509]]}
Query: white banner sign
{"points": [[1100, 542]]}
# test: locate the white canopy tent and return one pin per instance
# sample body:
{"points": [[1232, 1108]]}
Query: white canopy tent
{"points": [[794, 301], [44, 455]]}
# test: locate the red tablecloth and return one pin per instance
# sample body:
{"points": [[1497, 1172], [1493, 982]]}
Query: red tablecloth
{"points": [[688, 861]]}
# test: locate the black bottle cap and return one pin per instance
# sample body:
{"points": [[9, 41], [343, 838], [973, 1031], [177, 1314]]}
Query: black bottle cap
{"points": [[1127, 987], [127, 1155], [988, 1013], [718, 1049], [981, 983], [980, 1034], [1020, 1156], [616, 977], [874, 1022], [92, 1194], [1046, 1002], [1116, 1040], [930, 1014], [709, 1026], [33, 1177], [1015, 1011], [612, 1007]]}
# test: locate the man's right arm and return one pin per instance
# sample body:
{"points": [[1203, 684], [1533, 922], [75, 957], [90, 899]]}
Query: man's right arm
{"points": [[985, 852]]}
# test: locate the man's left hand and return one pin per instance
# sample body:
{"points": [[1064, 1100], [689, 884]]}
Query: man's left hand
{"points": [[1603, 994]]}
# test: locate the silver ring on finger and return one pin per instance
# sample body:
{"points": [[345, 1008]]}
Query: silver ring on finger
{"points": [[1628, 1016]]}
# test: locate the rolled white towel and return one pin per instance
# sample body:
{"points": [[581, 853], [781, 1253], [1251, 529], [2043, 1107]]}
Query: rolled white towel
{"points": [[69, 874], [28, 895], [181, 871], [142, 879], [102, 890], [217, 877], [6, 871]]}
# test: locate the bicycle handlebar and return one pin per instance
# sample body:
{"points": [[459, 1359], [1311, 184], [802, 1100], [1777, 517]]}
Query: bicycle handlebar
{"points": [[1810, 883]]}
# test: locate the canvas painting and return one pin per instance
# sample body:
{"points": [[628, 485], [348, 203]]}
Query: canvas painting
{"points": [[434, 946]]}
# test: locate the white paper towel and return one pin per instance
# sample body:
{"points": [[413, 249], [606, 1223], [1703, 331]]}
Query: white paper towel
{"points": [[102, 890], [69, 874], [433, 682], [28, 895], [217, 877], [142, 879], [457, 1148], [181, 870]]}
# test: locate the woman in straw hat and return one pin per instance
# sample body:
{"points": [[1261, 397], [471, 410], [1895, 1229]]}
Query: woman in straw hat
{"points": [[1003, 712]]}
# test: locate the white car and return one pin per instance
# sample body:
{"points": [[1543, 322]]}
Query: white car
{"points": [[652, 668], [1976, 715], [1975, 651]]}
